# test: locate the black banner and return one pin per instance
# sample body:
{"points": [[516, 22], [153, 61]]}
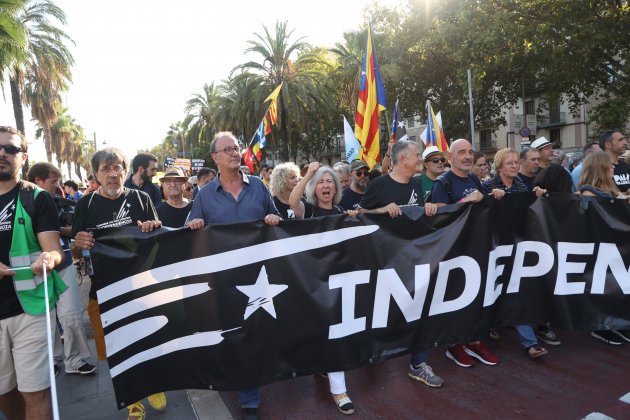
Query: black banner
{"points": [[230, 307]]}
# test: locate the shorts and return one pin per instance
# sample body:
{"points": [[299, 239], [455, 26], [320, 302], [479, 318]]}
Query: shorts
{"points": [[23, 354]]}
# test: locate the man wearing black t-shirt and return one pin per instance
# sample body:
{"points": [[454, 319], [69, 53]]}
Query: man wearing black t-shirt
{"points": [[458, 184], [112, 205], [175, 210], [615, 143], [351, 196], [385, 195], [529, 160], [24, 378]]}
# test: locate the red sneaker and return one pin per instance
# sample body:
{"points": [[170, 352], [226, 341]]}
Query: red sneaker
{"points": [[457, 354], [480, 352]]}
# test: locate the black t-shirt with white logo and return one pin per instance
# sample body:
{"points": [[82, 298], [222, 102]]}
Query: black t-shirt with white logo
{"points": [[384, 190], [95, 212], [44, 220], [284, 209], [173, 217], [622, 176], [311, 211]]}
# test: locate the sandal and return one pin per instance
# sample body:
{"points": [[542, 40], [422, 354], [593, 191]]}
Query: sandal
{"points": [[344, 405], [536, 351]]}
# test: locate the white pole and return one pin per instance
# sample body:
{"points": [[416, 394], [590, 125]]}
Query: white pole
{"points": [[470, 104], [51, 364]]}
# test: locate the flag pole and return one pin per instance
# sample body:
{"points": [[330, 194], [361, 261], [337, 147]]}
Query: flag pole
{"points": [[470, 104], [49, 339]]}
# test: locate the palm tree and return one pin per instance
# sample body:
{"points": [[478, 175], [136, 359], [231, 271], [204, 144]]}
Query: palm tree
{"points": [[347, 73], [13, 41], [199, 124], [45, 73], [301, 80]]}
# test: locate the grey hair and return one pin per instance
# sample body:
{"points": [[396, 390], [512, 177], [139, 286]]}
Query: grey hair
{"points": [[398, 148], [220, 135], [341, 167], [557, 156], [309, 191], [278, 181]]}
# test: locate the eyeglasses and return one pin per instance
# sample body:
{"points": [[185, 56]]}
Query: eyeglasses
{"points": [[361, 173], [438, 160], [230, 150], [11, 149], [116, 170]]}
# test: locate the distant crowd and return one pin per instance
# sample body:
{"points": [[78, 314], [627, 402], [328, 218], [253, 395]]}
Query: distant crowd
{"points": [[56, 223]]}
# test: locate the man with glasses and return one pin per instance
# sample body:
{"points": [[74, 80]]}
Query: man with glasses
{"points": [[433, 167], [175, 210], [615, 143], [144, 167], [75, 350], [231, 198], [351, 196], [111, 205], [29, 240]]}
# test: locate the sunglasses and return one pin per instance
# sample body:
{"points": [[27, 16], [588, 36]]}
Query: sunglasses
{"points": [[11, 149], [361, 173], [438, 160]]}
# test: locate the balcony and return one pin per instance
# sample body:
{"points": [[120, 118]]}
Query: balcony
{"points": [[552, 120]]}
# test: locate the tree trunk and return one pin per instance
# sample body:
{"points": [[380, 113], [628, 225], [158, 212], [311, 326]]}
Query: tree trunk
{"points": [[47, 143], [77, 170], [18, 112], [69, 168], [284, 129]]}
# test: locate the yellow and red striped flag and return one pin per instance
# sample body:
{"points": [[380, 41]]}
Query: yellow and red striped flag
{"points": [[371, 103], [273, 106]]}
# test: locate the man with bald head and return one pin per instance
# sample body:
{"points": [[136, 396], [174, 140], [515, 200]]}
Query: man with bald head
{"points": [[458, 184]]}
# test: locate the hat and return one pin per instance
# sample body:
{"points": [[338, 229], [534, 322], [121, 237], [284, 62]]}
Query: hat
{"points": [[193, 180], [431, 150], [173, 173], [358, 164], [539, 143]]}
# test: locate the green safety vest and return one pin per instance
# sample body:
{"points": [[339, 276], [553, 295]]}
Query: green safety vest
{"points": [[24, 251]]}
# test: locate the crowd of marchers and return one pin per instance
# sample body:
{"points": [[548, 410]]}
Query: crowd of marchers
{"points": [[45, 225]]}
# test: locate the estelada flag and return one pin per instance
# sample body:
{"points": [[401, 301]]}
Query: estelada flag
{"points": [[370, 104], [399, 131], [273, 106], [435, 135]]}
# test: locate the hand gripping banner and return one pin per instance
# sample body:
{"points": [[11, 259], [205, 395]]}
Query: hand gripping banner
{"points": [[229, 307]]}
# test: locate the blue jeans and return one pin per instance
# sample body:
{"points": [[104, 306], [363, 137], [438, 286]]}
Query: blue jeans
{"points": [[419, 357], [526, 335], [249, 398]]}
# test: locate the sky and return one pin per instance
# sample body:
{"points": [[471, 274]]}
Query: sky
{"points": [[138, 62]]}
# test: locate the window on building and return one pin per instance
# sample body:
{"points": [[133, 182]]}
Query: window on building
{"points": [[554, 136], [530, 108], [412, 138], [554, 111], [485, 139]]}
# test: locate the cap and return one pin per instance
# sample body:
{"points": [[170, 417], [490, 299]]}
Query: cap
{"points": [[431, 150], [358, 164], [539, 143], [173, 173]]}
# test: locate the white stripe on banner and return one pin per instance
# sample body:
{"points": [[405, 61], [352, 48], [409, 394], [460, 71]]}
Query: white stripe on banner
{"points": [[130, 333], [151, 301], [232, 259], [202, 339]]}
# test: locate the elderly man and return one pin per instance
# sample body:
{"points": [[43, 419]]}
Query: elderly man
{"points": [[351, 196], [231, 198], [529, 160], [144, 167], [545, 147], [75, 347], [29, 240], [342, 169], [112, 205], [175, 210], [385, 195]]}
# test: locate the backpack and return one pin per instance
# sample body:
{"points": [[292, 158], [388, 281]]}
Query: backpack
{"points": [[446, 184]]}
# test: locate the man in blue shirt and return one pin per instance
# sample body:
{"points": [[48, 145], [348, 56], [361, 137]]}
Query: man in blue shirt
{"points": [[233, 197]]}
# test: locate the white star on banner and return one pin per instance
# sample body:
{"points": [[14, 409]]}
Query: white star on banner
{"points": [[401, 124], [261, 294]]}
